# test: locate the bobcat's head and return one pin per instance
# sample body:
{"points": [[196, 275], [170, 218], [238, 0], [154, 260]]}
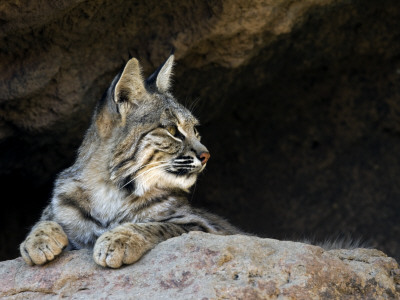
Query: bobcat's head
{"points": [[149, 140]]}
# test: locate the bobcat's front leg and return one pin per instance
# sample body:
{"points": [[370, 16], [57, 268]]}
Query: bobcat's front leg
{"points": [[127, 243], [45, 241]]}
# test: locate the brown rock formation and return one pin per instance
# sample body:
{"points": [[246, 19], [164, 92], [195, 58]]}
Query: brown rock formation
{"points": [[299, 101], [204, 266]]}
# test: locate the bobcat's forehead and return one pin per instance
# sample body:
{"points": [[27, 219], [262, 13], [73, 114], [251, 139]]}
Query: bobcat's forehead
{"points": [[160, 110], [177, 114]]}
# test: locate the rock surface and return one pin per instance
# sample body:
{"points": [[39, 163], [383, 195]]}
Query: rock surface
{"points": [[203, 266]]}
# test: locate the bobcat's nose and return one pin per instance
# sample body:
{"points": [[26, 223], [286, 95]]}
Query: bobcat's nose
{"points": [[204, 157]]}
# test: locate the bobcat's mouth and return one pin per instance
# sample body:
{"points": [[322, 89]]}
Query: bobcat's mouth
{"points": [[184, 165]]}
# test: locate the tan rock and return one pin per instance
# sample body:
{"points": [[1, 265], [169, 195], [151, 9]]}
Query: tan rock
{"points": [[204, 266]]}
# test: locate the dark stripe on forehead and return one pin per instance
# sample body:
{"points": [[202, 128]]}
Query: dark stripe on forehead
{"points": [[175, 117]]}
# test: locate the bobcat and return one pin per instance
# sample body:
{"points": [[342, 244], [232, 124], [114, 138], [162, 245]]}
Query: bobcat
{"points": [[127, 190]]}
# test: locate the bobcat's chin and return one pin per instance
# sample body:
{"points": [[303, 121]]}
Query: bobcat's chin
{"points": [[167, 179]]}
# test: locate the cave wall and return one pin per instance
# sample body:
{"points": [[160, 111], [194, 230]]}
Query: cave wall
{"points": [[299, 103]]}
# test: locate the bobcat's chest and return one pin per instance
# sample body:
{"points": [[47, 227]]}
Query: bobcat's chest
{"points": [[109, 204]]}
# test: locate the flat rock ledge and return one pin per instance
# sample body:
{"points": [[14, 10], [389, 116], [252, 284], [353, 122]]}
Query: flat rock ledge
{"points": [[204, 266]]}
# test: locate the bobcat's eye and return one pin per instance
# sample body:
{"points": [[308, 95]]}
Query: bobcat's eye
{"points": [[172, 129]]}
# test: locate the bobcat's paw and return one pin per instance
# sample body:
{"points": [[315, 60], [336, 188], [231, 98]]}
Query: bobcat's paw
{"points": [[119, 246], [45, 241]]}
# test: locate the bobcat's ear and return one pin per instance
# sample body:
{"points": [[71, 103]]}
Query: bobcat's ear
{"points": [[130, 86], [162, 76]]}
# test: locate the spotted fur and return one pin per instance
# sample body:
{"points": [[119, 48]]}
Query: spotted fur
{"points": [[127, 190]]}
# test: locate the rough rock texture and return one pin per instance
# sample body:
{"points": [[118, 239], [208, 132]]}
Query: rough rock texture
{"points": [[204, 266], [299, 102]]}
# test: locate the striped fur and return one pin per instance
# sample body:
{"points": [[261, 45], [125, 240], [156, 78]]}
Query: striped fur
{"points": [[127, 190]]}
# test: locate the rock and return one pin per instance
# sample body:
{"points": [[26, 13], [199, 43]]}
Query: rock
{"points": [[204, 266], [43, 83]]}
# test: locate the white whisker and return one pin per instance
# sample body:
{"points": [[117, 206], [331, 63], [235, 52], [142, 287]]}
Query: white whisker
{"points": [[145, 172], [130, 171], [151, 169], [153, 163]]}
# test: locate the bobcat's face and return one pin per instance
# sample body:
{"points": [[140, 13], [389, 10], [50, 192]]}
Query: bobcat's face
{"points": [[170, 155], [157, 145]]}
